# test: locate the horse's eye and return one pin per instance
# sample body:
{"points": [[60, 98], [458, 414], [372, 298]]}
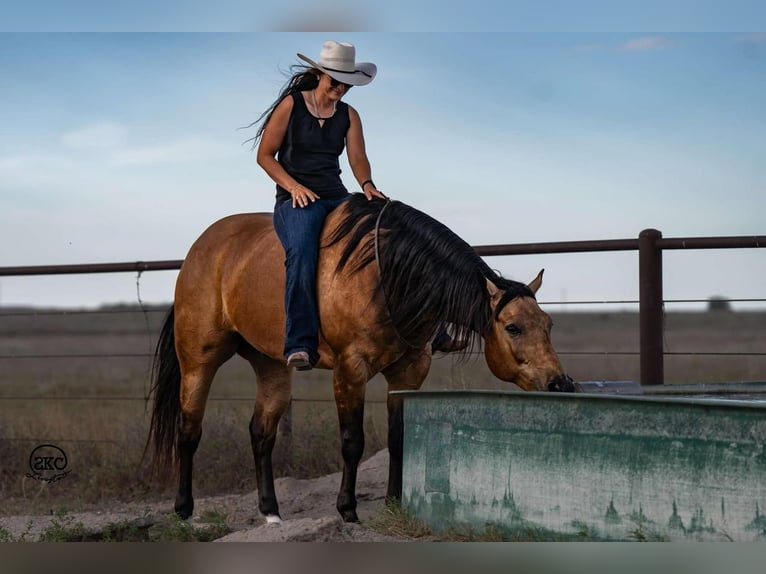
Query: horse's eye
{"points": [[513, 329]]}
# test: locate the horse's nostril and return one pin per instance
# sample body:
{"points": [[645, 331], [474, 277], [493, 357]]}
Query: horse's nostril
{"points": [[561, 384]]}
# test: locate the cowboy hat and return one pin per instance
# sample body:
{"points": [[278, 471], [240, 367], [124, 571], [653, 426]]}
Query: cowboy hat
{"points": [[337, 60]]}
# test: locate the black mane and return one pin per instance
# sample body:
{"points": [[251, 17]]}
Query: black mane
{"points": [[430, 277]]}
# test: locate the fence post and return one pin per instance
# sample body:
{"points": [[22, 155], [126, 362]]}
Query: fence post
{"points": [[650, 307]]}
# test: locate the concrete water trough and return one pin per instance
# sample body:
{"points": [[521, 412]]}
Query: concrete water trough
{"points": [[587, 466]]}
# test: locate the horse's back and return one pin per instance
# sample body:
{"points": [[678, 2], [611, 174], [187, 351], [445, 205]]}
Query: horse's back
{"points": [[234, 264], [220, 247], [218, 237]]}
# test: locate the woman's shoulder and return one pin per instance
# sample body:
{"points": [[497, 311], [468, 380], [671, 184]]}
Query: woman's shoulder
{"points": [[300, 97], [287, 102], [352, 113], [282, 111], [295, 98], [299, 101]]}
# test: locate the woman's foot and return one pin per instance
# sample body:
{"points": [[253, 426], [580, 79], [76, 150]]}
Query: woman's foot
{"points": [[299, 360]]}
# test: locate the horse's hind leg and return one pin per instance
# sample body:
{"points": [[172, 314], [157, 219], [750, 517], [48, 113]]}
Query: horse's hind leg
{"points": [[197, 372], [271, 401]]}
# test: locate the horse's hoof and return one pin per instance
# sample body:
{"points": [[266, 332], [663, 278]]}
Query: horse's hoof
{"points": [[184, 509], [349, 516], [273, 519]]}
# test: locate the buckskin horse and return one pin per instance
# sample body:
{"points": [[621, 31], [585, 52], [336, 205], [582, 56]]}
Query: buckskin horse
{"points": [[390, 278]]}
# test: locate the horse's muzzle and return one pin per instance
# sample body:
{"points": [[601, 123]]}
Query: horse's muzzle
{"points": [[561, 384]]}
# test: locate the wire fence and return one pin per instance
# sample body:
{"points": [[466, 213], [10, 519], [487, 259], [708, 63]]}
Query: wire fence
{"points": [[148, 355], [652, 243]]}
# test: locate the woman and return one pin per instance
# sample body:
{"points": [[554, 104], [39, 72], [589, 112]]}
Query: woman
{"points": [[305, 131]]}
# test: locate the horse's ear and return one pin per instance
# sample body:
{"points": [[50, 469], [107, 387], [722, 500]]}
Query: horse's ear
{"points": [[494, 293], [537, 282]]}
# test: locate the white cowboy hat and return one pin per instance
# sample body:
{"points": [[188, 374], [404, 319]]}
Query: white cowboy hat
{"points": [[337, 60]]}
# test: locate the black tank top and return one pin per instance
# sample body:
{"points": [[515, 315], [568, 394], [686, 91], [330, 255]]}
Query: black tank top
{"points": [[310, 152]]}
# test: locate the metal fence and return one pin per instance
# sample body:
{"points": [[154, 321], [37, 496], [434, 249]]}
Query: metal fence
{"points": [[650, 245]]}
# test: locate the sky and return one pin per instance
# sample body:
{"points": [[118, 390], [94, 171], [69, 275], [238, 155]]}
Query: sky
{"points": [[124, 146]]}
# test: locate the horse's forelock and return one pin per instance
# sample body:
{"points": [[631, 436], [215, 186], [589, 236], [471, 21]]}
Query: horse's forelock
{"points": [[512, 290]]}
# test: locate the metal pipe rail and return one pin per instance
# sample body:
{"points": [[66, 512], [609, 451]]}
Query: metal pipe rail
{"points": [[650, 244], [82, 268]]}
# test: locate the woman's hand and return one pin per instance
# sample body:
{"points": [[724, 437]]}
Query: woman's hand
{"points": [[302, 195], [371, 191]]}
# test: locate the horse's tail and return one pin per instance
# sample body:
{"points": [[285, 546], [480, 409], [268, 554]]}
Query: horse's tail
{"points": [[166, 411]]}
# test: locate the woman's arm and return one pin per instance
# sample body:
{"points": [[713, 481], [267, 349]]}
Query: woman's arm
{"points": [[357, 156], [271, 140]]}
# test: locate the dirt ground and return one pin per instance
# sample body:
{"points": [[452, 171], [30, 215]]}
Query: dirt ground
{"points": [[79, 379], [307, 508]]}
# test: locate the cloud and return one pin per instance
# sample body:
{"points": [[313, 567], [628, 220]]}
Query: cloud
{"points": [[645, 43], [84, 174], [112, 139], [189, 150], [24, 172], [106, 135], [640, 44]]}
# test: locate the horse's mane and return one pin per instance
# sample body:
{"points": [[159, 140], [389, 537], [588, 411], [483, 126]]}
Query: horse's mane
{"points": [[430, 277]]}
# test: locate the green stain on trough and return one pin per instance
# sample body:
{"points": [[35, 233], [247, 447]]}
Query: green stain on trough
{"points": [[587, 466]]}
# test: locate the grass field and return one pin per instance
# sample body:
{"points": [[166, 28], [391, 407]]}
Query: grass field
{"points": [[78, 380]]}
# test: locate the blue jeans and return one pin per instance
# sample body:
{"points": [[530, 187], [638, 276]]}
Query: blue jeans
{"points": [[299, 229]]}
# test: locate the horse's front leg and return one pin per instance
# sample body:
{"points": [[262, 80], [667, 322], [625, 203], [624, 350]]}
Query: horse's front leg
{"points": [[395, 406], [349, 380], [408, 373]]}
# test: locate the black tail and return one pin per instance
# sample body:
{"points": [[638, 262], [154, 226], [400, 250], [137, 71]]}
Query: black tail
{"points": [[166, 412]]}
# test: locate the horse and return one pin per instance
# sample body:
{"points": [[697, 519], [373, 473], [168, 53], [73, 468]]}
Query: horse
{"points": [[390, 278]]}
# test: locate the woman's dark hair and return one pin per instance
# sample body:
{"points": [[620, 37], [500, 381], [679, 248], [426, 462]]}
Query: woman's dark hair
{"points": [[301, 80]]}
